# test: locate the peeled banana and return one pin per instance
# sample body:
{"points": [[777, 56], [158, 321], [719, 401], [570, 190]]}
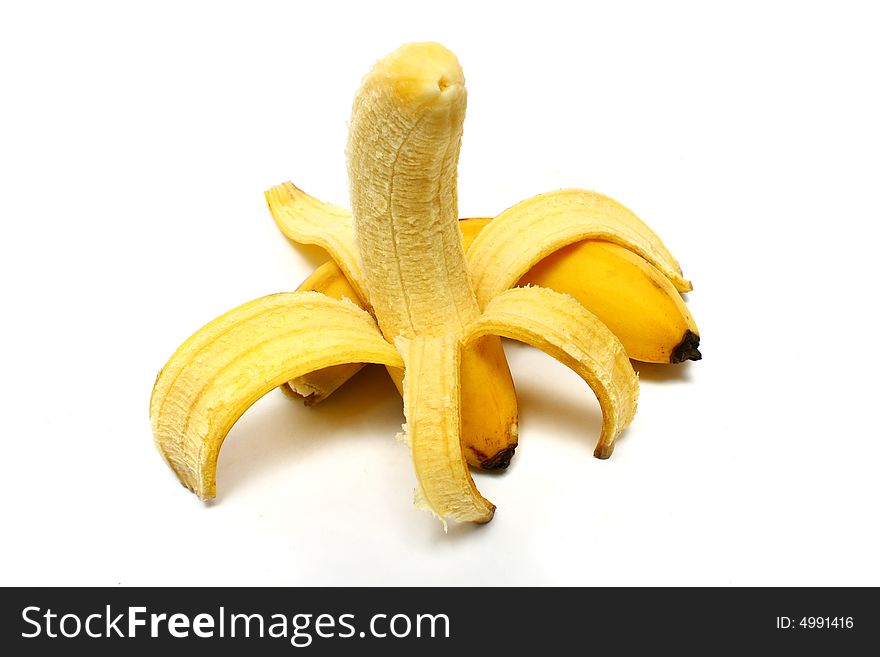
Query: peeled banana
{"points": [[404, 292]]}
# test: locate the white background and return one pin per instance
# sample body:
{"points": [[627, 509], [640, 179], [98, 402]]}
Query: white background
{"points": [[135, 143]]}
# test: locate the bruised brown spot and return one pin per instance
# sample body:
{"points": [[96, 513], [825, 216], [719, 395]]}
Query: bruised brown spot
{"points": [[687, 349], [310, 399], [500, 461]]}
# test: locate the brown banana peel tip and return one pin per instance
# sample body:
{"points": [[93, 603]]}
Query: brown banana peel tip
{"points": [[687, 349], [499, 461]]}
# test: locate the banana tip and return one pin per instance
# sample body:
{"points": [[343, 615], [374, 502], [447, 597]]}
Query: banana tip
{"points": [[500, 461], [687, 349], [417, 69], [488, 517]]}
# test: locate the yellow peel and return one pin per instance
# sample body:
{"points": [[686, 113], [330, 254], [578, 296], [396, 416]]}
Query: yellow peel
{"points": [[563, 328], [431, 406], [225, 367], [521, 236], [306, 220]]}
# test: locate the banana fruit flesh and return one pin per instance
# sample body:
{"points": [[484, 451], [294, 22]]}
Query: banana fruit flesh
{"points": [[427, 310]]}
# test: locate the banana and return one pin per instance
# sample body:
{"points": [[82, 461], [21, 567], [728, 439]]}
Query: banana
{"points": [[403, 255]]}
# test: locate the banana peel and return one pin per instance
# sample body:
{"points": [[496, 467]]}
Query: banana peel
{"points": [[219, 372]]}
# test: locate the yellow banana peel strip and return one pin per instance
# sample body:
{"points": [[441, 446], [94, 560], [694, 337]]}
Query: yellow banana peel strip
{"points": [[560, 326], [431, 406], [523, 235], [306, 220], [225, 367]]}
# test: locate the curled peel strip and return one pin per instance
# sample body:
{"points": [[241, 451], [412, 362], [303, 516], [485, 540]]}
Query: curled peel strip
{"points": [[523, 235], [226, 366]]}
